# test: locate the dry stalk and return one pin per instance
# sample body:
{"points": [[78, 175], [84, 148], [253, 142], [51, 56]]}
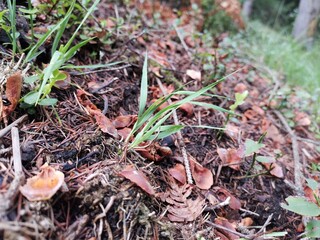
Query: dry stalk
{"points": [[181, 143]]}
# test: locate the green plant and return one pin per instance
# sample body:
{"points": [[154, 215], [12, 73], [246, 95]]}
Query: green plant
{"points": [[216, 21], [303, 207], [280, 52], [51, 73], [150, 124]]}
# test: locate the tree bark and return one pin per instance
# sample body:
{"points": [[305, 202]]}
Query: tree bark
{"points": [[306, 21], [247, 9]]}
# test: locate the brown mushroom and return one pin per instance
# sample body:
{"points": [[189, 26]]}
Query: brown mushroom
{"points": [[44, 185]]}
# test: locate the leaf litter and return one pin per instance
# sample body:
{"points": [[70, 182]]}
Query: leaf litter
{"points": [[136, 197]]}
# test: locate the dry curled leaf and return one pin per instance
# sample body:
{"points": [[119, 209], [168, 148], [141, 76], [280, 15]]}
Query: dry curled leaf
{"points": [[103, 122], [44, 185], [178, 172], [187, 108], [153, 151], [13, 93], [202, 176], [226, 224], [124, 121], [181, 207], [196, 75], [231, 157], [222, 194], [138, 178], [124, 133]]}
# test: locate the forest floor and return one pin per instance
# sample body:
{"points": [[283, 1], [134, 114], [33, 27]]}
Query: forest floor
{"points": [[241, 174]]}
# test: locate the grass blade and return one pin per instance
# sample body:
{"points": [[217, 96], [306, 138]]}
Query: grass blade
{"points": [[144, 87]]}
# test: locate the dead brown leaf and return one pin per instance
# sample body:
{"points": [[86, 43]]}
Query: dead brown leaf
{"points": [[202, 176], [178, 172], [231, 157], [103, 122], [195, 75], [124, 121], [13, 92], [137, 177], [225, 223], [222, 194], [181, 207]]}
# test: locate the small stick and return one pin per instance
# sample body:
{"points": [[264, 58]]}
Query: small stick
{"points": [[182, 41], [16, 153], [298, 179], [101, 70], [5, 130], [229, 230], [181, 143]]}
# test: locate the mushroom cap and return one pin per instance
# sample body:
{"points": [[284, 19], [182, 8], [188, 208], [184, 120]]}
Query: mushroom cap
{"points": [[44, 185]]}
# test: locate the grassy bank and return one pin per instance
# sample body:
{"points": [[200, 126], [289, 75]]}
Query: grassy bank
{"points": [[280, 52]]}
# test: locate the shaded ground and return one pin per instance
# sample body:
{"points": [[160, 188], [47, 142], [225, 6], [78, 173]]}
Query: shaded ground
{"points": [[100, 203]]}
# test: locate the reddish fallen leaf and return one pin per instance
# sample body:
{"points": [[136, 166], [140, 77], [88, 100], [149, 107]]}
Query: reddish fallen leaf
{"points": [[196, 75], [162, 106], [258, 110], [232, 131], [103, 122], [123, 121], [231, 157], [251, 115], [246, 222], [309, 193], [302, 119], [44, 185], [240, 88], [179, 173], [202, 176], [187, 108], [13, 92], [225, 223], [182, 207], [274, 134], [222, 194], [124, 133], [154, 151], [276, 171], [138, 178]]}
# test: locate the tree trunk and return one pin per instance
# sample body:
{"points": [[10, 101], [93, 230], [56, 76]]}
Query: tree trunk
{"points": [[247, 9], [306, 21]]}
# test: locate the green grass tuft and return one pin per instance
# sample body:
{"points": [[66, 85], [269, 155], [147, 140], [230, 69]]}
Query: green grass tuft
{"points": [[280, 52]]}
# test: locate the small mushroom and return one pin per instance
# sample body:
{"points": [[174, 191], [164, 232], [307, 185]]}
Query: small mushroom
{"points": [[44, 185]]}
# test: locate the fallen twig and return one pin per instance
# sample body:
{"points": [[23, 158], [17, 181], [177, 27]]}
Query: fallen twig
{"points": [[298, 178], [7, 199], [181, 143], [5, 130]]}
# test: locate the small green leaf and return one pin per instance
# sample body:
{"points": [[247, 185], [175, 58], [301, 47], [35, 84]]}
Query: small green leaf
{"points": [[313, 184], [29, 11], [240, 97], [264, 159], [301, 206], [31, 79], [313, 229], [48, 102], [252, 147], [31, 98], [144, 86], [59, 76], [276, 234]]}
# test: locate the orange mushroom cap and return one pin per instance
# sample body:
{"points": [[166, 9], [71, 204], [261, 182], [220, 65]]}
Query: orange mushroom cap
{"points": [[44, 185]]}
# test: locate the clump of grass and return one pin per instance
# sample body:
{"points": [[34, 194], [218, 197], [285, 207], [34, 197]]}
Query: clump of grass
{"points": [[279, 51]]}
